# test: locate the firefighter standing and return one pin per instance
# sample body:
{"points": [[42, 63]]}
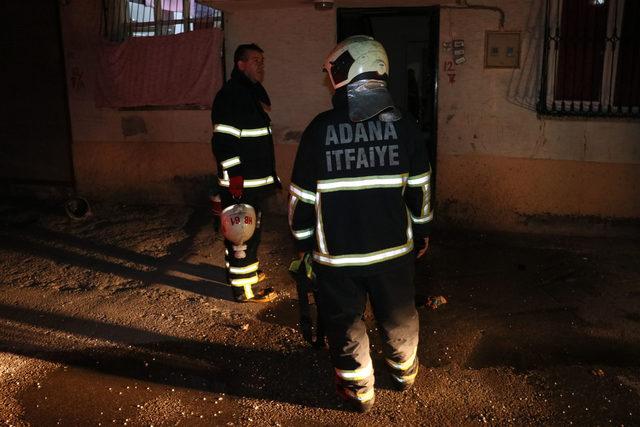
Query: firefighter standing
{"points": [[243, 148], [359, 200]]}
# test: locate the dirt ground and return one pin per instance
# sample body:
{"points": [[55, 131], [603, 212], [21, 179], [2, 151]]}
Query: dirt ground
{"points": [[124, 318]]}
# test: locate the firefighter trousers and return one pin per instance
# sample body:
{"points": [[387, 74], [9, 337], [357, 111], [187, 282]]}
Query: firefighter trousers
{"points": [[242, 273], [343, 302]]}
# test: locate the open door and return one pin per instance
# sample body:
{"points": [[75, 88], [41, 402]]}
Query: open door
{"points": [[410, 37]]}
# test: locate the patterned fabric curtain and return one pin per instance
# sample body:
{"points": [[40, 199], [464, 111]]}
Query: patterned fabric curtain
{"points": [[182, 69]]}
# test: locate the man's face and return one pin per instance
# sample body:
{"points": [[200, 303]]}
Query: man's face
{"points": [[253, 66]]}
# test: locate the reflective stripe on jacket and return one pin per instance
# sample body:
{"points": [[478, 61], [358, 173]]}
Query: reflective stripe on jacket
{"points": [[359, 191], [242, 143]]}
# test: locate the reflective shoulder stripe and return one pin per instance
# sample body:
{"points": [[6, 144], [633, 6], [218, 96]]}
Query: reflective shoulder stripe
{"points": [[229, 130], [303, 234], [362, 183], [418, 180], [229, 163], [363, 259], [242, 133], [304, 195], [356, 374], [422, 219], [250, 183]]}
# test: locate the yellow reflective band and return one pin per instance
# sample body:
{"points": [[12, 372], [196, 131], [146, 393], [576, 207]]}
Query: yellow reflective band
{"points": [[242, 133], [418, 180], [356, 374], [361, 396], [426, 194], [405, 378], [322, 243], [248, 292], [302, 234], [293, 202], [229, 163], [244, 270], [250, 183], [364, 259], [422, 219], [304, 195], [403, 366], [245, 281], [229, 130], [362, 183], [250, 133], [366, 396]]}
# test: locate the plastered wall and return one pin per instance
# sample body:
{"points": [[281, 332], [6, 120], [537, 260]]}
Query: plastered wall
{"points": [[134, 156], [500, 166]]}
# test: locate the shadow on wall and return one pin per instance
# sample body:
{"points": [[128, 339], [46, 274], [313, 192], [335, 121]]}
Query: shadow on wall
{"points": [[524, 85]]}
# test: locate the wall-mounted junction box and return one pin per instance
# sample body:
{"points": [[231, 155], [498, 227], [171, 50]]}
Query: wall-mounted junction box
{"points": [[502, 49]]}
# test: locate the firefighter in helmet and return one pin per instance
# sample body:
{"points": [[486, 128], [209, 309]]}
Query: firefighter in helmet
{"points": [[243, 147], [360, 201]]}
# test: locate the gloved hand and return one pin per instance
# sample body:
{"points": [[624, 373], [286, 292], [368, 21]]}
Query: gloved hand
{"points": [[216, 205], [236, 184], [421, 247]]}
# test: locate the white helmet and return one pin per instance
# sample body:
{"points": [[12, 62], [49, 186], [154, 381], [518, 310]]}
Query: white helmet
{"points": [[361, 63], [238, 224], [354, 56]]}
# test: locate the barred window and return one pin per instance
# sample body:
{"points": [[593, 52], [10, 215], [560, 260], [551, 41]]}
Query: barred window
{"points": [[143, 18], [591, 63]]}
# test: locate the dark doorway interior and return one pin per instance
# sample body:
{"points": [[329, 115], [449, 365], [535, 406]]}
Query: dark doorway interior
{"points": [[410, 37], [35, 136]]}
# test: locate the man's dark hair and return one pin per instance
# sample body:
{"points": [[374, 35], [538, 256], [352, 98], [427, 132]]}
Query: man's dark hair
{"points": [[243, 49]]}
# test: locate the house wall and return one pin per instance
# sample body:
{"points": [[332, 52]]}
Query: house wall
{"points": [[500, 166], [134, 156]]}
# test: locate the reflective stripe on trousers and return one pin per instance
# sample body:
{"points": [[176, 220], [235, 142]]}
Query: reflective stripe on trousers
{"points": [[343, 301], [242, 273]]}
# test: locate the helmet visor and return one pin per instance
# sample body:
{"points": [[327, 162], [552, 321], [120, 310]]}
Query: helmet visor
{"points": [[368, 98]]}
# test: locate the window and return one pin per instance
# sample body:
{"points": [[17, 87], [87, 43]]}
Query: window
{"points": [[142, 18], [591, 64], [159, 54]]}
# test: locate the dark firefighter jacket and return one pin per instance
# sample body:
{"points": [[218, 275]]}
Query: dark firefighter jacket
{"points": [[359, 192], [242, 142]]}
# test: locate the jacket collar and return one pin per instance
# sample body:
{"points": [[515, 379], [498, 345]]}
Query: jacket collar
{"points": [[257, 89], [339, 98]]}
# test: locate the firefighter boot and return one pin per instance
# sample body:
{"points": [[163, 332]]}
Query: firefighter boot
{"points": [[361, 401], [403, 379], [259, 296]]}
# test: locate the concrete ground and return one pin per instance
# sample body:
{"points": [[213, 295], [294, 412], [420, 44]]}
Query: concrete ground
{"points": [[123, 318]]}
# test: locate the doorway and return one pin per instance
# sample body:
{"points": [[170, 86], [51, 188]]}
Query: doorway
{"points": [[35, 143], [410, 37]]}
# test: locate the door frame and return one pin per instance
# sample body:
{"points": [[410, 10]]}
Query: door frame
{"points": [[432, 13]]}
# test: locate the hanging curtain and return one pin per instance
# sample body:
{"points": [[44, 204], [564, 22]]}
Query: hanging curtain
{"points": [[182, 69]]}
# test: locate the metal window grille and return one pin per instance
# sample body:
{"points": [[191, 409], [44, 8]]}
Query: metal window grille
{"points": [[591, 63], [144, 18]]}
